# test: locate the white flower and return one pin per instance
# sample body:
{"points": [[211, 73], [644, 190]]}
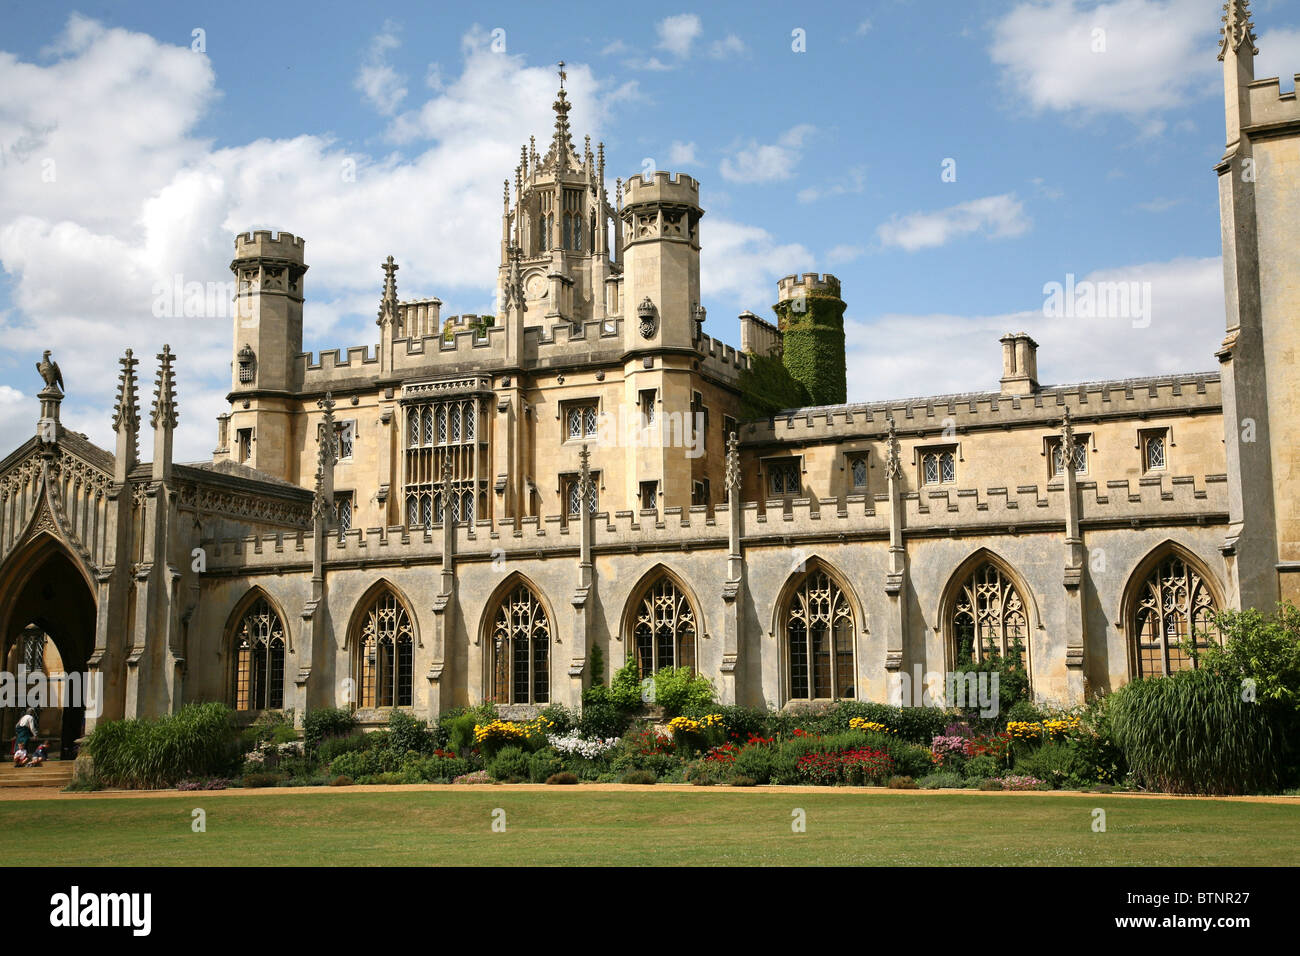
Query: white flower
{"points": [[575, 744]]}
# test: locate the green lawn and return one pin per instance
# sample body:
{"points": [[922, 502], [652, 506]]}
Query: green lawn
{"points": [[567, 826]]}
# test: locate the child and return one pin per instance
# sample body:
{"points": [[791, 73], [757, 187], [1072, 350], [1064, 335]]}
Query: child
{"points": [[38, 757], [20, 756]]}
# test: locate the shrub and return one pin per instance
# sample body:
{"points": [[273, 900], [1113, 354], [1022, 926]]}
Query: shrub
{"points": [[990, 784], [678, 689], [354, 764], [327, 722], [544, 764], [332, 747], [943, 780], [561, 718], [743, 782], [1059, 763], [1192, 733], [1020, 782], [901, 783], [1023, 711], [860, 766], [199, 740], [478, 776], [408, 732], [625, 688], [707, 773], [264, 779], [438, 768], [639, 777], [341, 781], [562, 778], [601, 716], [981, 766], [758, 761], [510, 764], [460, 733]]}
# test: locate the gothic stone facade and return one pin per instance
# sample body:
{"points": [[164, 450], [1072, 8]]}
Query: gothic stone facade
{"points": [[467, 511]]}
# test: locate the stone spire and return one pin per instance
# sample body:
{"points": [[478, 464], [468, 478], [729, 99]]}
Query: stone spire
{"points": [[126, 418], [326, 456], [561, 155], [733, 467], [388, 304], [1237, 29], [164, 416]]}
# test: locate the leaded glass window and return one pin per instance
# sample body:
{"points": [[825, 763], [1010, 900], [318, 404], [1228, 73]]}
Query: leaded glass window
{"points": [[259, 658], [1174, 608], [819, 631], [664, 633], [989, 615], [521, 636], [385, 648]]}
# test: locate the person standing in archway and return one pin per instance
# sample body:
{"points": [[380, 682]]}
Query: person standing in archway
{"points": [[24, 734]]}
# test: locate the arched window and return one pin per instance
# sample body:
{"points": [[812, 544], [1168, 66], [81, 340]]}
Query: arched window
{"points": [[1173, 606], [819, 631], [259, 658], [521, 643], [664, 632], [988, 615], [385, 650]]}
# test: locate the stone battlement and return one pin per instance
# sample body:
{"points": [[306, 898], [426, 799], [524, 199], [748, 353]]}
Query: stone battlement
{"points": [[264, 244], [794, 285], [1269, 105], [664, 187], [1024, 509]]}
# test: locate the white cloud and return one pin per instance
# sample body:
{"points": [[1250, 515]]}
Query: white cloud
{"points": [[681, 154], [729, 46], [742, 263], [676, 34], [1155, 53], [1279, 55], [863, 28], [998, 217], [85, 263], [838, 255], [756, 163], [381, 85], [854, 181], [894, 355], [614, 47], [1159, 205]]}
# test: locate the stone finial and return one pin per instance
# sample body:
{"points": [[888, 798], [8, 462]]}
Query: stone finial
{"points": [[893, 461], [388, 304], [126, 414], [584, 477], [326, 456], [1067, 440], [1237, 30], [733, 462], [512, 292], [164, 402]]}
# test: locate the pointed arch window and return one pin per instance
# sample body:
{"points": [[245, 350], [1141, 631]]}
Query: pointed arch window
{"points": [[521, 644], [1174, 607], [989, 615], [664, 632], [259, 658], [819, 633], [385, 650]]}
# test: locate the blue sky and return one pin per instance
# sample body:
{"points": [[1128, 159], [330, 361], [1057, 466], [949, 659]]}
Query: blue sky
{"points": [[127, 159]]}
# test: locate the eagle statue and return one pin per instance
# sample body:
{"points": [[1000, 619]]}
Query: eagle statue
{"points": [[50, 371]]}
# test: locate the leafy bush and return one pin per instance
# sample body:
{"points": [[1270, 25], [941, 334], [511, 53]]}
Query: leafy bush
{"points": [[1058, 763], [758, 761], [460, 733], [678, 689], [639, 777], [199, 740], [331, 747], [341, 782], [1192, 733], [408, 732], [562, 778], [543, 764], [354, 764], [980, 767], [1023, 710], [478, 776], [901, 783], [510, 764], [602, 716], [327, 722], [707, 773], [438, 769], [991, 784], [561, 718], [625, 688], [264, 779], [743, 782], [943, 780]]}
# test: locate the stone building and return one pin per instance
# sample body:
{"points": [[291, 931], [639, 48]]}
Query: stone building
{"points": [[467, 510]]}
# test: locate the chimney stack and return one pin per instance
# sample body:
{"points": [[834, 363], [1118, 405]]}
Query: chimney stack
{"points": [[1019, 364]]}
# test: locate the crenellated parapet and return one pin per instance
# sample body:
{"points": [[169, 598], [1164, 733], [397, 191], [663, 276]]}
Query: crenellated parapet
{"points": [[1124, 398]]}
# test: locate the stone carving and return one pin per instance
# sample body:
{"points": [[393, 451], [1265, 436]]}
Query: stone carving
{"points": [[648, 318], [50, 373]]}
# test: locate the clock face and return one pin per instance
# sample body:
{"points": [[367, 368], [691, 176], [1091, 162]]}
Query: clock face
{"points": [[536, 286]]}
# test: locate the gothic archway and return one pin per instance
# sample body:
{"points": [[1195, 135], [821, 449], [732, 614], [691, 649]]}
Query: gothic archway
{"points": [[45, 593]]}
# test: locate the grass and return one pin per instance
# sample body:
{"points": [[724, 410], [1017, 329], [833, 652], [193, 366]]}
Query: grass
{"points": [[571, 827]]}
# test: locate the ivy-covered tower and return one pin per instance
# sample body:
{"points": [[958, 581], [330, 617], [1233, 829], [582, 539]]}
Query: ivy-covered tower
{"points": [[810, 315]]}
